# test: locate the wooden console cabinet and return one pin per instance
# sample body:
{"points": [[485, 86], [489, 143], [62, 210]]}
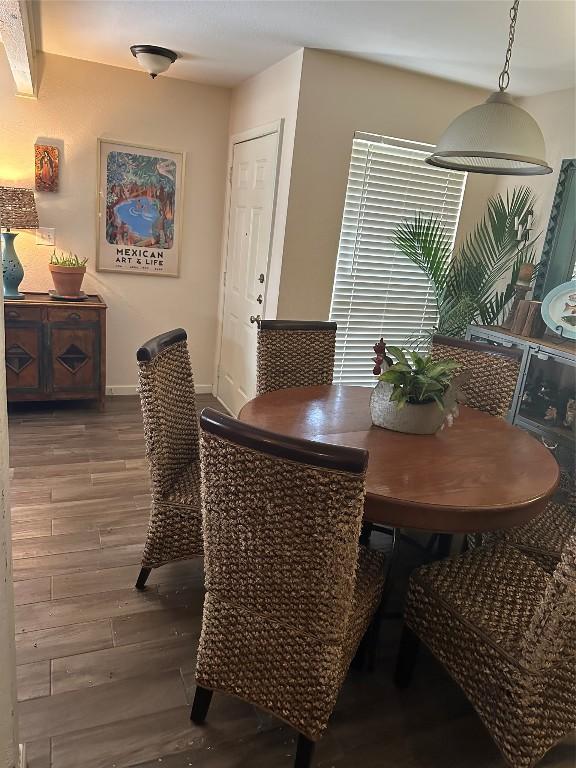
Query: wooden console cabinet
{"points": [[55, 350]]}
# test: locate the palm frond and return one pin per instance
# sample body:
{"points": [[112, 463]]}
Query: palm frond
{"points": [[467, 283]]}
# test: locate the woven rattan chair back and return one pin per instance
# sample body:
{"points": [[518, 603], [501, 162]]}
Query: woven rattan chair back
{"points": [[492, 372], [173, 451], [168, 409], [551, 635], [294, 354], [281, 521]]}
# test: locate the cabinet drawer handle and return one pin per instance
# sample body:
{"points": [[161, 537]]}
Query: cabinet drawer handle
{"points": [[12, 314], [74, 316]]}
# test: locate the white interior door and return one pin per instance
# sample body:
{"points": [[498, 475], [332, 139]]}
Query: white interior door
{"points": [[249, 233]]}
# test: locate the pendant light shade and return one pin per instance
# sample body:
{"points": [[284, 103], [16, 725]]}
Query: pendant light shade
{"points": [[495, 137]]}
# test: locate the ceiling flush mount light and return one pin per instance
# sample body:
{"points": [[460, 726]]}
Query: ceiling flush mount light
{"points": [[495, 137], [153, 58]]}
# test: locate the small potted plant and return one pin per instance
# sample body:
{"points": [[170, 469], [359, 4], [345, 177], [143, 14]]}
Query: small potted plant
{"points": [[67, 273], [415, 394]]}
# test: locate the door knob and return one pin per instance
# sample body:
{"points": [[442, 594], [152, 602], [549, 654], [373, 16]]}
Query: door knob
{"points": [[260, 299], [261, 277], [255, 319]]}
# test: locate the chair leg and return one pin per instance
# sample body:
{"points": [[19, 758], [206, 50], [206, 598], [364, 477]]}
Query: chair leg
{"points": [[406, 661], [365, 534], [200, 705], [304, 752], [143, 578]]}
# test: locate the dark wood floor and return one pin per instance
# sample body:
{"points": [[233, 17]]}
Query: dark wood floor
{"points": [[106, 674]]}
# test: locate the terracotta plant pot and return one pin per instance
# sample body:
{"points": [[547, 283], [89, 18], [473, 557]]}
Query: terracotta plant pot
{"points": [[67, 280]]}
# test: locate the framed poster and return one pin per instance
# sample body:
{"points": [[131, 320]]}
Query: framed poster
{"points": [[46, 168], [139, 209]]}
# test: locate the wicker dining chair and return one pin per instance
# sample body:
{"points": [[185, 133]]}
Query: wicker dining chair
{"points": [[173, 451], [543, 538], [492, 371], [294, 353], [505, 629], [289, 592]]}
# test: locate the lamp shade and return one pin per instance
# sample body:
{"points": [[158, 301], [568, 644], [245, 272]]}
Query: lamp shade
{"points": [[495, 137], [17, 208]]}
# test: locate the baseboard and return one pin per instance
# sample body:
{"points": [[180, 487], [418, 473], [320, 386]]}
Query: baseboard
{"points": [[203, 389], [132, 389]]}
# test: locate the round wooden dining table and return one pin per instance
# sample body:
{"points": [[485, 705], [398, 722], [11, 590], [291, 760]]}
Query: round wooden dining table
{"points": [[481, 474]]}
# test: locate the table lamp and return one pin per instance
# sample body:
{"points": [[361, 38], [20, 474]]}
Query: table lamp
{"points": [[17, 210]]}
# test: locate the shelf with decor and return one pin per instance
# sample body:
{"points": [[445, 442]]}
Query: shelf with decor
{"points": [[544, 402]]}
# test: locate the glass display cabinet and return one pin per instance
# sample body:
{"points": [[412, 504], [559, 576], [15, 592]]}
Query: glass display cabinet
{"points": [[544, 402]]}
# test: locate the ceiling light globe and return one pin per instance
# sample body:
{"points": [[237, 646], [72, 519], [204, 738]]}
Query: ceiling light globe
{"points": [[153, 58], [495, 137]]}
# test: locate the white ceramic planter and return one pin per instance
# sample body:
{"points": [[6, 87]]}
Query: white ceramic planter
{"points": [[425, 419]]}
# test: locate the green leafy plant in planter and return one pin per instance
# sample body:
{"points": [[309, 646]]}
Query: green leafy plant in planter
{"points": [[67, 260], [467, 282], [420, 380], [67, 273]]}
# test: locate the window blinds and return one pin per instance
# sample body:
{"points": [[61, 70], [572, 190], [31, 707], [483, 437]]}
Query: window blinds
{"points": [[377, 290]]}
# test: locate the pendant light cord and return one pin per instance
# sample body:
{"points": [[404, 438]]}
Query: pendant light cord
{"points": [[504, 79]]}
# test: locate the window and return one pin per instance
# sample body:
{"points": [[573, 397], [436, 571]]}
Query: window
{"points": [[377, 290]]}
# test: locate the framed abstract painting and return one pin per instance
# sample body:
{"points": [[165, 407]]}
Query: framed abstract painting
{"points": [[46, 168], [139, 209]]}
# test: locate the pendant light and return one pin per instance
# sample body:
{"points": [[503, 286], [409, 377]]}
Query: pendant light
{"points": [[495, 137]]}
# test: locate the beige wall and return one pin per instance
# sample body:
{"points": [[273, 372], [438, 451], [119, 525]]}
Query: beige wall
{"points": [[270, 96], [340, 95], [555, 113], [78, 102]]}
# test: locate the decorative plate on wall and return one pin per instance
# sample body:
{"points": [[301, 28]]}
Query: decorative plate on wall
{"points": [[559, 309]]}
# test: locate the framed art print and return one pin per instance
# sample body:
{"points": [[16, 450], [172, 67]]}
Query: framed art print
{"points": [[139, 209], [46, 168]]}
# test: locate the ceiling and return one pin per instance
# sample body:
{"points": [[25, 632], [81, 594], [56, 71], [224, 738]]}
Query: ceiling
{"points": [[223, 42]]}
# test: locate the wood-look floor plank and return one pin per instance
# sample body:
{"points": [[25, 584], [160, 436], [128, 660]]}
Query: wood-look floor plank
{"points": [[32, 591], [91, 707], [63, 641], [136, 474], [86, 608], [33, 680], [38, 754], [129, 534], [40, 546], [73, 469], [94, 521], [170, 623], [123, 743], [80, 491], [149, 738], [173, 575], [74, 562], [94, 582], [27, 528], [68, 509], [88, 669]]}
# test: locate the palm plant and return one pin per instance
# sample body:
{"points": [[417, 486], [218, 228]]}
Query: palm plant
{"points": [[466, 282]]}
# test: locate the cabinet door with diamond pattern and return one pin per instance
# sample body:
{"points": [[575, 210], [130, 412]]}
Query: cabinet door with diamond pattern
{"points": [[23, 353], [74, 358]]}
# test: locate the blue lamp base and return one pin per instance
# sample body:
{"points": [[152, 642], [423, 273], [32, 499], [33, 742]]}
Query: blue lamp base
{"points": [[12, 269]]}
